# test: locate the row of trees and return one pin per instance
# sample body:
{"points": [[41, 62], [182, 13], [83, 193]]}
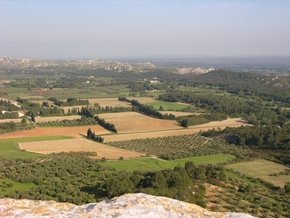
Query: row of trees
{"points": [[148, 110], [7, 106], [11, 126], [69, 102], [93, 136], [109, 126], [192, 120]]}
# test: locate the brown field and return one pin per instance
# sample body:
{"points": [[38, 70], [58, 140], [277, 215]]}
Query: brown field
{"points": [[234, 122], [135, 122], [75, 131], [111, 102], [59, 118], [76, 145]]}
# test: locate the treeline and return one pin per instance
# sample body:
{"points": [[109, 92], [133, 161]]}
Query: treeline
{"points": [[69, 102], [150, 111], [270, 141], [83, 121], [93, 136], [57, 177], [12, 127], [270, 136], [109, 126], [222, 104], [9, 115], [192, 120], [244, 84], [91, 111], [7, 106]]}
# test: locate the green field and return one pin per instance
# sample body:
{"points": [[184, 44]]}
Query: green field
{"points": [[9, 147], [262, 169], [9, 186], [153, 164], [168, 105]]}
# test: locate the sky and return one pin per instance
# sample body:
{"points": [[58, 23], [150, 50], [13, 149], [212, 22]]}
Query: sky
{"points": [[81, 29]]}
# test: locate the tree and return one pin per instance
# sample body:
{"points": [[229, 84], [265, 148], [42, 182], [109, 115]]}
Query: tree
{"points": [[89, 133], [184, 123]]}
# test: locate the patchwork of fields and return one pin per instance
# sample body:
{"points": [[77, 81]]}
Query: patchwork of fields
{"points": [[131, 126]]}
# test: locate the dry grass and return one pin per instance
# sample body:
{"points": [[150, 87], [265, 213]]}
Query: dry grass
{"points": [[77, 145], [135, 122], [176, 132], [231, 122], [10, 120], [75, 131]]}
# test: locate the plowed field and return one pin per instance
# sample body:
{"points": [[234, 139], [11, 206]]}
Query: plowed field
{"points": [[76, 131], [135, 122], [235, 122], [76, 145]]}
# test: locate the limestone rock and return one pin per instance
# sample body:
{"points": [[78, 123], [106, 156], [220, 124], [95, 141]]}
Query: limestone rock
{"points": [[126, 206]]}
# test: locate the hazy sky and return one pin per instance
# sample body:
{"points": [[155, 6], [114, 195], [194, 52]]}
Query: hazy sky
{"points": [[55, 29]]}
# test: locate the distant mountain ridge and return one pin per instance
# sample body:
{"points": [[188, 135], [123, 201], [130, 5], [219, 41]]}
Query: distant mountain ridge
{"points": [[28, 64]]}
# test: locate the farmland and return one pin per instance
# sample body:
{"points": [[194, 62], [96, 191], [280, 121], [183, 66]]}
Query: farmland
{"points": [[75, 131], [168, 105], [236, 157], [263, 169], [153, 164], [135, 122], [178, 131], [77, 145]]}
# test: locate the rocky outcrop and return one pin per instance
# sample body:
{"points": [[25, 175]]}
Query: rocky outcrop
{"points": [[127, 206]]}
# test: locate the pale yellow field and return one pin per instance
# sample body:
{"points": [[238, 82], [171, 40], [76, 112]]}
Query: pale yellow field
{"points": [[126, 122], [59, 118], [235, 122], [77, 145], [10, 120]]}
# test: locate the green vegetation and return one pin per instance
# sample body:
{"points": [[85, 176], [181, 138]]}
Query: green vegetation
{"points": [[262, 169], [154, 164], [83, 121], [9, 147], [13, 127], [177, 147], [242, 183], [169, 106]]}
